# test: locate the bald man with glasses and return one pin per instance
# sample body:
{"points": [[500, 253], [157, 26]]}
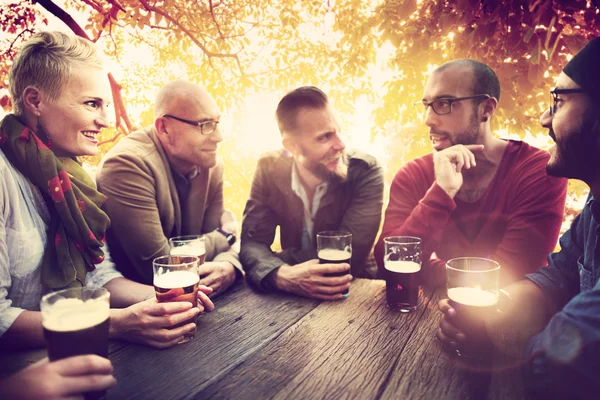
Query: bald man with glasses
{"points": [[166, 180], [475, 194]]}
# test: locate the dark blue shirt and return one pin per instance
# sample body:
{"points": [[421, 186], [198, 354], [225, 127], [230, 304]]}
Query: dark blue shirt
{"points": [[564, 359]]}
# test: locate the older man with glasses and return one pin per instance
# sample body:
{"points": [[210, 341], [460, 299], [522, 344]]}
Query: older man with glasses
{"points": [[475, 195], [166, 180]]}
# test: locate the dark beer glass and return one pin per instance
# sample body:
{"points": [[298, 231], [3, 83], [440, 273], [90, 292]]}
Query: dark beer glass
{"points": [[176, 279], [472, 285], [76, 322], [402, 263], [335, 247]]}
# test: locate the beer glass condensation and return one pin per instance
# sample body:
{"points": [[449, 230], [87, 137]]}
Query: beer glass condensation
{"points": [[402, 263], [76, 322], [472, 285], [176, 279], [335, 247]]}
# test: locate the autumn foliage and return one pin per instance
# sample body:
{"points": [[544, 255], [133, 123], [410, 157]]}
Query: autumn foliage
{"points": [[360, 52]]}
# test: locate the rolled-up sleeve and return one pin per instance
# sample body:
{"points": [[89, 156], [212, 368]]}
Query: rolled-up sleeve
{"points": [[104, 272]]}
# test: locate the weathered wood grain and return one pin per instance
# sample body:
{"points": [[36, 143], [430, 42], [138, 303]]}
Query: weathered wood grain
{"points": [[425, 370], [280, 346], [339, 350], [243, 323]]}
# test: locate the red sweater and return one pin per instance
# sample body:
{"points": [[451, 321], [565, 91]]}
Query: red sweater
{"points": [[515, 222]]}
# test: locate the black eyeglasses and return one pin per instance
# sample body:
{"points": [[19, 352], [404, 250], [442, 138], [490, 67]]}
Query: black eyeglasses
{"points": [[554, 99], [206, 127], [443, 106]]}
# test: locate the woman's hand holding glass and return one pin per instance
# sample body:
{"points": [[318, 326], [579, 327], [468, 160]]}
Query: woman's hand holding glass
{"points": [[149, 322]]}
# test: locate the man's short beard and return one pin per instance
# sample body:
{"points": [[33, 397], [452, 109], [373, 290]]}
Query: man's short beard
{"points": [[340, 175], [469, 136]]}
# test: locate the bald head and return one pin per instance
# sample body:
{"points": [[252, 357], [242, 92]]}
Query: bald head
{"points": [[483, 79], [185, 100]]}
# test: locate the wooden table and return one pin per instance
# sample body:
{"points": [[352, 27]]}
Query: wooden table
{"points": [[256, 346]]}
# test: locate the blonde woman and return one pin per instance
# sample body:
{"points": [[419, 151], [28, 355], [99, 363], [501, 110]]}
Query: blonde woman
{"points": [[51, 222]]}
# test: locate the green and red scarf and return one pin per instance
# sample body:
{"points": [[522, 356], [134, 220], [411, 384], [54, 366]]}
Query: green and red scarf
{"points": [[77, 225]]}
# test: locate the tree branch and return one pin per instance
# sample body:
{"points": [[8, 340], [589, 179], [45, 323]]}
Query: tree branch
{"points": [[94, 5], [120, 111], [64, 17], [212, 14], [191, 36]]}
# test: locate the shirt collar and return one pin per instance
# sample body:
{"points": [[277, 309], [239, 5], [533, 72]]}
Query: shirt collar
{"points": [[297, 186], [594, 207], [187, 177]]}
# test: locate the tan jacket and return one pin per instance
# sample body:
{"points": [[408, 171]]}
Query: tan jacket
{"points": [[144, 207]]}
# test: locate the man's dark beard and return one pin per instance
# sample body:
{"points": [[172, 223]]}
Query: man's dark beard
{"points": [[577, 156]]}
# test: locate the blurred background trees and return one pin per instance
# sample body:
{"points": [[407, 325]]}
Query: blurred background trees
{"points": [[371, 57]]}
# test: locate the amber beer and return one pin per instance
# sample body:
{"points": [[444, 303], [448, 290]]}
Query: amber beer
{"points": [[402, 285], [191, 249], [76, 322], [176, 279], [189, 245]]}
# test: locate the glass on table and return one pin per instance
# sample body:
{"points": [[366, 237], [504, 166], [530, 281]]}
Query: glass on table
{"points": [[75, 322], [176, 279], [402, 264], [335, 247], [472, 285]]}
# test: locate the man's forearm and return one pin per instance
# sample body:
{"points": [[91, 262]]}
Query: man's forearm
{"points": [[278, 278], [521, 317], [124, 292]]}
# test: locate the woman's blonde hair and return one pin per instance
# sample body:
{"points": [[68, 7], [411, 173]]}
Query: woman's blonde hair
{"points": [[46, 61]]}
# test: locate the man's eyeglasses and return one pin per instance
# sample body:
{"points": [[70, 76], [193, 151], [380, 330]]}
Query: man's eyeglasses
{"points": [[554, 99], [206, 127], [443, 106]]}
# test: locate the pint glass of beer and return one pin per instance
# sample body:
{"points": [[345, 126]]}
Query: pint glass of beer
{"points": [[335, 247], [76, 322], [176, 279], [472, 285], [402, 263], [189, 245]]}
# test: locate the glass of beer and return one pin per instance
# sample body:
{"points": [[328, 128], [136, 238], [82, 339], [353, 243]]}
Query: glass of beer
{"points": [[176, 279], [76, 322], [473, 292], [189, 245], [335, 247], [402, 263]]}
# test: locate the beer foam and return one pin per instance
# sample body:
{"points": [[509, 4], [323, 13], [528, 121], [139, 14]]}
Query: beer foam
{"points": [[402, 266], [70, 314], [176, 279], [472, 296], [334, 254], [189, 249]]}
